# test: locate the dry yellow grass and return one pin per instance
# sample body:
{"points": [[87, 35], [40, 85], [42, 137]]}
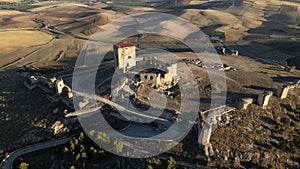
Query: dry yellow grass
{"points": [[10, 12], [50, 7], [141, 9], [226, 22], [10, 0], [236, 21], [13, 40], [16, 19], [196, 2]]}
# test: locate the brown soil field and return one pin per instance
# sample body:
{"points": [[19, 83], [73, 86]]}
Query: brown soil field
{"points": [[262, 31], [10, 0], [13, 40], [73, 18], [238, 21], [11, 12], [16, 19]]}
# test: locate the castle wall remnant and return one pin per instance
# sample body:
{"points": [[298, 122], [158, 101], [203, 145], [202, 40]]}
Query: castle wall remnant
{"points": [[235, 52], [55, 88], [59, 85], [151, 79], [124, 55], [217, 36], [264, 98], [172, 70], [159, 80], [282, 92], [206, 123], [297, 84], [245, 103], [125, 58], [221, 50], [163, 80], [162, 63]]}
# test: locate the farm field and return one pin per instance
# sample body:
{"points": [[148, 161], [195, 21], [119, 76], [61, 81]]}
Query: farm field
{"points": [[46, 38]]}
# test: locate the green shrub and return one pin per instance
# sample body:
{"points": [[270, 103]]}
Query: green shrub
{"points": [[72, 167], [149, 167], [23, 165], [278, 127], [271, 166], [169, 164]]}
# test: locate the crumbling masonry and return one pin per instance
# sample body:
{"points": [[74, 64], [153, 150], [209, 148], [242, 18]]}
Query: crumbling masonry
{"points": [[56, 89]]}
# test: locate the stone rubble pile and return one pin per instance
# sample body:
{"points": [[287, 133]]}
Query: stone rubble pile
{"points": [[209, 121], [59, 128], [197, 62]]}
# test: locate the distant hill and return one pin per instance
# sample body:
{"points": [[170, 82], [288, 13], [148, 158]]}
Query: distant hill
{"points": [[10, 0]]}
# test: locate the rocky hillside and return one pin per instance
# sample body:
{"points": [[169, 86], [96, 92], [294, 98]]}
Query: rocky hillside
{"points": [[261, 137]]}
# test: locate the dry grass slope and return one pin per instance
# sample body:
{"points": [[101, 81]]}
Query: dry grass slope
{"points": [[13, 40]]}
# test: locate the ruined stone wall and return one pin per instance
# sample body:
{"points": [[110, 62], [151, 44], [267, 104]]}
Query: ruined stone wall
{"points": [[125, 57], [151, 79]]}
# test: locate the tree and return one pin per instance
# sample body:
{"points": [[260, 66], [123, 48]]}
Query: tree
{"points": [[92, 132], [149, 167], [81, 136], [65, 150], [77, 158], [72, 167], [23, 165], [81, 148], [118, 146], [170, 164], [83, 156]]}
